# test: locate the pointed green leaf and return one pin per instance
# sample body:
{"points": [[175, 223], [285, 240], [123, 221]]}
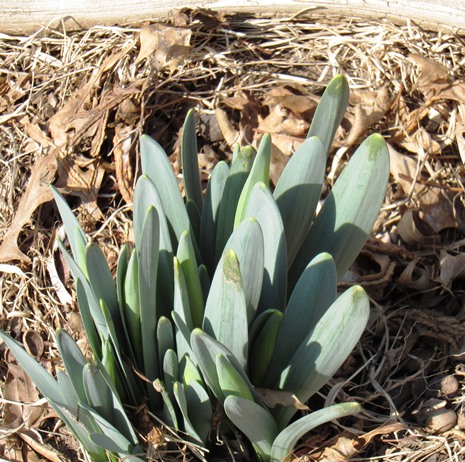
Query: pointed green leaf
{"points": [[148, 267], [287, 439], [87, 319], [187, 260], [263, 207], [206, 349], [235, 182], [350, 210], [194, 218], [165, 337], [312, 296], [199, 409], [330, 111], [255, 422], [230, 379], [97, 391], [180, 396], [46, 384], [181, 312], [101, 281], [120, 443], [298, 191], [260, 173], [190, 162], [156, 166], [169, 412], [209, 219], [73, 360], [121, 374], [263, 348], [121, 273], [170, 371], [132, 307], [247, 243], [104, 392], [76, 236], [325, 348], [226, 312], [90, 309], [145, 196]]}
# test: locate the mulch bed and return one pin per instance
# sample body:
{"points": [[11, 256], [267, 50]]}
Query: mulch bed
{"points": [[72, 107]]}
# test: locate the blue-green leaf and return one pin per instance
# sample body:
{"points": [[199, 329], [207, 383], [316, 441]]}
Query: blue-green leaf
{"points": [[350, 210], [76, 236], [330, 111], [73, 360], [226, 312], [247, 243], [255, 422], [189, 161], [206, 349], [312, 296], [187, 260], [287, 438], [263, 207], [235, 182], [148, 267], [260, 173], [156, 166], [209, 219], [298, 191], [325, 349]]}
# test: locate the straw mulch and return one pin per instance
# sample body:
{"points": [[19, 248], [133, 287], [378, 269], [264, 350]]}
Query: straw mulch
{"points": [[72, 106]]}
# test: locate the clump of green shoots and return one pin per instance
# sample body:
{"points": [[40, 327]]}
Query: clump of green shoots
{"points": [[220, 295]]}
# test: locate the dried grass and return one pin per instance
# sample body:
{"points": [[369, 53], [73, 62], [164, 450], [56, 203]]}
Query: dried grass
{"points": [[246, 55]]}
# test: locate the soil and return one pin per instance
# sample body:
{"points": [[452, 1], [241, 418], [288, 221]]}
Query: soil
{"points": [[72, 106]]}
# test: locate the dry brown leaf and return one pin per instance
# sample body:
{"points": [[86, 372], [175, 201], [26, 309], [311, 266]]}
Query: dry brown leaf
{"points": [[403, 169], [344, 448], [451, 267], [168, 46], [435, 81], [370, 108], [281, 121], [460, 138], [30, 439], [273, 398], [413, 230], [124, 151], [37, 192], [19, 387], [296, 103], [415, 277]]}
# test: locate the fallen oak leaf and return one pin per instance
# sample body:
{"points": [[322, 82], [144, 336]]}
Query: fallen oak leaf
{"points": [[19, 388], [168, 46], [37, 192]]}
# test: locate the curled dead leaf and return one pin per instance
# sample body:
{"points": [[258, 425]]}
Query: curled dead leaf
{"points": [[415, 277], [33, 343], [124, 142], [413, 230]]}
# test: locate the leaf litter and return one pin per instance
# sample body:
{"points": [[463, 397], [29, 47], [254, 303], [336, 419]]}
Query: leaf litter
{"points": [[72, 106]]}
